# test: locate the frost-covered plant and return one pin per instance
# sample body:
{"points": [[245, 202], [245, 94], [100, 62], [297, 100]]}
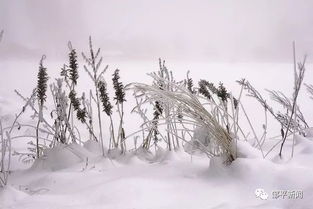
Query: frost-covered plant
{"points": [[88, 109], [46, 128], [252, 92], [151, 125], [62, 121], [221, 101], [61, 104], [70, 74], [80, 113], [193, 113], [165, 83], [6, 135], [120, 99], [225, 108], [189, 84], [142, 112], [107, 108], [298, 79], [287, 104], [173, 116], [41, 97], [204, 88], [81, 110], [92, 68], [292, 119], [158, 110]]}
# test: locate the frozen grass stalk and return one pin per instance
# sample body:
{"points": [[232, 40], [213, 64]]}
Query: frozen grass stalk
{"points": [[120, 99], [107, 108], [297, 86], [70, 74], [41, 97], [94, 62]]}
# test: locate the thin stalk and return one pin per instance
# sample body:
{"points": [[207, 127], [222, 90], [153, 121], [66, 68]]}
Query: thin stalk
{"points": [[99, 119], [250, 124], [37, 138], [296, 93], [112, 131]]}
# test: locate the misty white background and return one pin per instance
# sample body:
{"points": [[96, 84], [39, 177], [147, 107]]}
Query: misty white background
{"points": [[211, 30], [215, 40]]}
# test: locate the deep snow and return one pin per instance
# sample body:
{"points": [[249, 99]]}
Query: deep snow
{"points": [[66, 179]]}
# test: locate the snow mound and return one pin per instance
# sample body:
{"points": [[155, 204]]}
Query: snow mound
{"points": [[9, 195], [63, 156], [243, 149]]}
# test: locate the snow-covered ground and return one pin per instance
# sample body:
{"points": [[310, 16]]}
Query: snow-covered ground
{"points": [[166, 180], [78, 177]]}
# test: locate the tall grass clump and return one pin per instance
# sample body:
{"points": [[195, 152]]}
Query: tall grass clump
{"points": [[186, 107]]}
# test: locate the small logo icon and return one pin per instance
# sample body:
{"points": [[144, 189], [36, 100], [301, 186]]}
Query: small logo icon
{"points": [[260, 193]]}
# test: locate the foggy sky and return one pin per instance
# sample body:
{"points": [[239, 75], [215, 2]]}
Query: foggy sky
{"points": [[220, 30]]}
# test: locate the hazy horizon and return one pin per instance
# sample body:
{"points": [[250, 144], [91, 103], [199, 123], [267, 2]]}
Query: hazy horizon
{"points": [[215, 31]]}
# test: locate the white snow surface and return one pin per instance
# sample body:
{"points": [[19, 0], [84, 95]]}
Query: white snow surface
{"points": [[142, 180]]}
